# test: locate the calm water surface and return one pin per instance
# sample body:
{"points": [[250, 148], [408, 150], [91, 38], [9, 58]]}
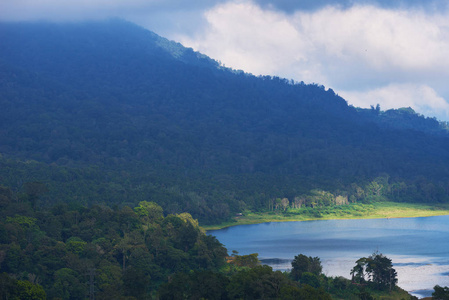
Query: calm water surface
{"points": [[419, 247]]}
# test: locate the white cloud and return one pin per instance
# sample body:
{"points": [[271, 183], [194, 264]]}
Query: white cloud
{"points": [[355, 49], [382, 41], [246, 37], [422, 98]]}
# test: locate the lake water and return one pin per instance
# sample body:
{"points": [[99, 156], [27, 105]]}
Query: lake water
{"points": [[418, 247]]}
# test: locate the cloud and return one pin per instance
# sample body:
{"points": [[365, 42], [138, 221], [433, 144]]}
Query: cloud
{"points": [[422, 98], [244, 36], [161, 16], [382, 40], [249, 38], [352, 46], [311, 5], [354, 49]]}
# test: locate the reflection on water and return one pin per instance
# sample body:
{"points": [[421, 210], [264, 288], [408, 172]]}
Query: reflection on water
{"points": [[275, 261], [419, 247]]}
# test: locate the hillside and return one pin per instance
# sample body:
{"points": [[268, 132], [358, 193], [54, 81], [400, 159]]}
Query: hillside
{"points": [[108, 112]]}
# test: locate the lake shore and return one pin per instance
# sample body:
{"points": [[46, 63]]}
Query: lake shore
{"points": [[340, 243], [344, 212]]}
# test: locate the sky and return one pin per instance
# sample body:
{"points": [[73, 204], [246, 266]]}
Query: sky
{"points": [[389, 52]]}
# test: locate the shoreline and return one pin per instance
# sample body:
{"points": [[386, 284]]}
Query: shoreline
{"points": [[384, 210], [379, 210]]}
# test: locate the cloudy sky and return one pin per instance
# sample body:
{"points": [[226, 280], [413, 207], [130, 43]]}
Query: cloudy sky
{"points": [[389, 52]]}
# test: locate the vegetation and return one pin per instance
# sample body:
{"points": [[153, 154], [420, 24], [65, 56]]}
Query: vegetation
{"points": [[110, 134], [304, 281], [108, 113], [440, 293], [377, 269], [11, 288], [119, 252], [69, 252], [349, 211], [303, 266]]}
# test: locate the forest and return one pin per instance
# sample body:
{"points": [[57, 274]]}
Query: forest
{"points": [[117, 144], [109, 113], [69, 252]]}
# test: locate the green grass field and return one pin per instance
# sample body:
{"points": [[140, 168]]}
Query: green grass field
{"points": [[351, 211]]}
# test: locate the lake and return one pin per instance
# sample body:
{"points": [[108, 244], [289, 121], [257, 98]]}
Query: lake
{"points": [[418, 247]]}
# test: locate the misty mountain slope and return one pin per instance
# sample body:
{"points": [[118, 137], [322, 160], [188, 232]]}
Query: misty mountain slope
{"points": [[114, 96]]}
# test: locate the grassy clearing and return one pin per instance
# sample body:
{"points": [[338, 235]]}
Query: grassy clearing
{"points": [[351, 211]]}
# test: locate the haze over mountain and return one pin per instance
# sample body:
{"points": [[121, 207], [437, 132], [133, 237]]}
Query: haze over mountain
{"points": [[108, 112], [391, 52]]}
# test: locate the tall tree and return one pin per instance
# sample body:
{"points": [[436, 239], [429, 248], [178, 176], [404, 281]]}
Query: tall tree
{"points": [[302, 263], [440, 293], [379, 270]]}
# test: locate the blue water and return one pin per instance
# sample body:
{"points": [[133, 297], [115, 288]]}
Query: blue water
{"points": [[419, 247]]}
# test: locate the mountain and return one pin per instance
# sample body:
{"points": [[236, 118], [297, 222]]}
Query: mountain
{"points": [[109, 112]]}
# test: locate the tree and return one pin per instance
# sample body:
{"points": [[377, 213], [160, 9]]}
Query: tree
{"points": [[15, 259], [278, 203], [260, 282], [126, 244], [210, 253], [440, 293], [374, 191], [34, 190], [310, 279], [195, 285], [109, 281], [379, 270], [75, 245], [301, 264], [11, 288], [250, 260], [28, 291], [285, 203], [358, 272], [67, 285], [135, 282], [365, 295], [322, 198], [308, 292], [315, 266], [149, 210], [376, 109], [7, 286], [6, 196]]}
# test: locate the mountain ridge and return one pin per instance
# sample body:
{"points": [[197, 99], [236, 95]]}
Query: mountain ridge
{"points": [[118, 104]]}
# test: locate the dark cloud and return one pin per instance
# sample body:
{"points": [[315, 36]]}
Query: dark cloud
{"points": [[311, 5], [17, 10], [162, 16]]}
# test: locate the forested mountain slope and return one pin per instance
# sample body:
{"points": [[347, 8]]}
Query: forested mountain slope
{"points": [[109, 112]]}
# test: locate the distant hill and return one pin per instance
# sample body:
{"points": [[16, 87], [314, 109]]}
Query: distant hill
{"points": [[108, 112]]}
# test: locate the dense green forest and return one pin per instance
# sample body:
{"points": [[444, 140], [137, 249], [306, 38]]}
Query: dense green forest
{"points": [[73, 252], [130, 252], [108, 113], [115, 144]]}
